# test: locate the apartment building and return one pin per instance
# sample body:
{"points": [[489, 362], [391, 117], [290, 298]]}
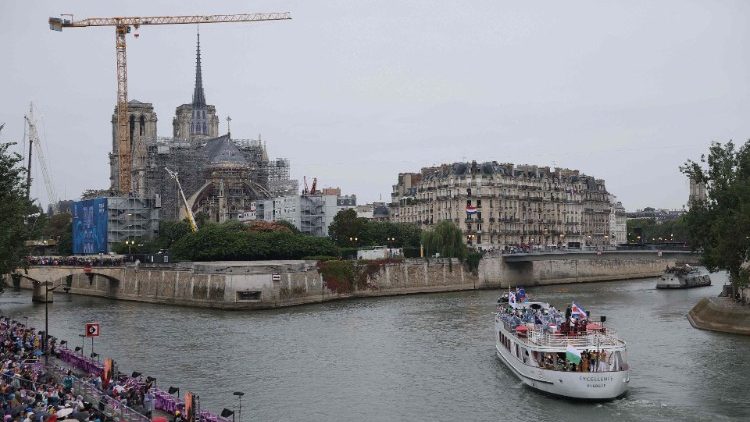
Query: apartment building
{"points": [[500, 206]]}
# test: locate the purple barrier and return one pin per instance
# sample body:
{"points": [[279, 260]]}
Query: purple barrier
{"points": [[162, 400], [80, 362]]}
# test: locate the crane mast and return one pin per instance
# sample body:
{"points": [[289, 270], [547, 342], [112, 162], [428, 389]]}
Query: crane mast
{"points": [[122, 27], [34, 139], [191, 218]]}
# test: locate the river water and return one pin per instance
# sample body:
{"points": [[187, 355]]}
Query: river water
{"points": [[416, 358]]}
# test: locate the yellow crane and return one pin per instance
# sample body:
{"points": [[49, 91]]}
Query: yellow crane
{"points": [[122, 27], [188, 211]]}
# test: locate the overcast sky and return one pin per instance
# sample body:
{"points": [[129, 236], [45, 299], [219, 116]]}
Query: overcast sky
{"points": [[354, 92]]}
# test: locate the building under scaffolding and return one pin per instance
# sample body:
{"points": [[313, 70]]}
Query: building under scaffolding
{"points": [[220, 176]]}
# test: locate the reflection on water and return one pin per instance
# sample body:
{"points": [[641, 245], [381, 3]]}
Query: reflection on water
{"points": [[421, 357]]}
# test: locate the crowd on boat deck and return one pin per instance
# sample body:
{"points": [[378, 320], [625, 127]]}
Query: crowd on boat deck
{"points": [[591, 361], [29, 393], [549, 320]]}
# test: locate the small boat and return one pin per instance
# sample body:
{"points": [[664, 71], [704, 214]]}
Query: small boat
{"points": [[683, 277], [565, 355]]}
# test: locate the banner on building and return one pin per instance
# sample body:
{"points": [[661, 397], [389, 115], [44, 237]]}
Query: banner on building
{"points": [[90, 226]]}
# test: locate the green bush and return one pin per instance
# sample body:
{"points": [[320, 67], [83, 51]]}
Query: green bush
{"points": [[229, 242]]}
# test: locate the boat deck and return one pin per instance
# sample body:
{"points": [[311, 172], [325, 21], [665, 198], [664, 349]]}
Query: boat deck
{"points": [[554, 342]]}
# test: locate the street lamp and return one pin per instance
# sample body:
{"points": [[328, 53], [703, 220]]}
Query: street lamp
{"points": [[130, 244], [239, 395], [83, 343], [353, 240], [45, 346]]}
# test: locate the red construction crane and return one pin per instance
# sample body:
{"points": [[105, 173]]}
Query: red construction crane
{"points": [[122, 26]]}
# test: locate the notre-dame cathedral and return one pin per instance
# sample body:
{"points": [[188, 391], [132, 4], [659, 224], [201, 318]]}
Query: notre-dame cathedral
{"points": [[220, 175]]}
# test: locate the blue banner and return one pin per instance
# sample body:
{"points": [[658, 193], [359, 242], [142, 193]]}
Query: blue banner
{"points": [[90, 226]]}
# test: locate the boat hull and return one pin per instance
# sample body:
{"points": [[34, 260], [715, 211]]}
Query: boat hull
{"points": [[598, 386], [687, 282]]}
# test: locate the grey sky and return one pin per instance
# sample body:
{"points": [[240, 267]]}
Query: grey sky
{"points": [[355, 92]]}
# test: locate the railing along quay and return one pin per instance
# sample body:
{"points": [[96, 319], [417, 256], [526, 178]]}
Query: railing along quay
{"points": [[162, 400]]}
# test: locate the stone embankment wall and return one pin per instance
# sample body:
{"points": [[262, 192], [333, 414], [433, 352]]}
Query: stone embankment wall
{"points": [[250, 285], [270, 284], [721, 314]]}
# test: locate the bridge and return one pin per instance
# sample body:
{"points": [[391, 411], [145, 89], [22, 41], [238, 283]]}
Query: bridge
{"points": [[561, 267], [64, 277]]}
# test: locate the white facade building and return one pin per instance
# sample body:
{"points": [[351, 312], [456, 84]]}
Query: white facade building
{"points": [[311, 214], [617, 222]]}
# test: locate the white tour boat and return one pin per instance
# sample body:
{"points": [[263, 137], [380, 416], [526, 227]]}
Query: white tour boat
{"points": [[564, 355]]}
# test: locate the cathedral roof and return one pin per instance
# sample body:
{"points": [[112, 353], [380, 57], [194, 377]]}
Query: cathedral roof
{"points": [[222, 151]]}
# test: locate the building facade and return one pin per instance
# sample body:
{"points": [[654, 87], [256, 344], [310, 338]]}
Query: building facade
{"points": [[501, 206], [311, 214], [618, 230]]}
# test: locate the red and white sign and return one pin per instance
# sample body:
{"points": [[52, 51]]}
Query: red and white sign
{"points": [[92, 329]]}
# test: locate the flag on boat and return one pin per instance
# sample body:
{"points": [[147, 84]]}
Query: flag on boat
{"points": [[577, 312], [511, 298], [572, 355], [471, 209], [521, 294]]}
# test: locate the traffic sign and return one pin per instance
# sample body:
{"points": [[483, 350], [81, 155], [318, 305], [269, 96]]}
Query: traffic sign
{"points": [[92, 329]]}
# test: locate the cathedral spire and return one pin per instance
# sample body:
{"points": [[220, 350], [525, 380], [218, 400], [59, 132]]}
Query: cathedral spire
{"points": [[199, 98], [199, 122]]}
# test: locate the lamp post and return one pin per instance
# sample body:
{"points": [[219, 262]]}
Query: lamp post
{"points": [[45, 346], [83, 342], [130, 244], [239, 395]]}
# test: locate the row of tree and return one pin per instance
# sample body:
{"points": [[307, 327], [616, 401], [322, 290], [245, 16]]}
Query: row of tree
{"points": [[649, 230]]}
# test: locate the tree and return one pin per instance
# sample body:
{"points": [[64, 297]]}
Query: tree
{"points": [[720, 224], [446, 239], [14, 207], [346, 226]]}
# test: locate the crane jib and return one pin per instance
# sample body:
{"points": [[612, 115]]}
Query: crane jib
{"points": [[58, 23]]}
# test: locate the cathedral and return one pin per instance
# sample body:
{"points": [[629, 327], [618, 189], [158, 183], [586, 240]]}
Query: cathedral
{"points": [[221, 176]]}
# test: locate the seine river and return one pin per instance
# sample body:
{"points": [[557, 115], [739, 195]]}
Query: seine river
{"points": [[412, 358]]}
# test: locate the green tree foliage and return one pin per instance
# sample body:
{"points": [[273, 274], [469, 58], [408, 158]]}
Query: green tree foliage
{"points": [[655, 232], [346, 226], [232, 242], [720, 225], [446, 239], [170, 232], [13, 209]]}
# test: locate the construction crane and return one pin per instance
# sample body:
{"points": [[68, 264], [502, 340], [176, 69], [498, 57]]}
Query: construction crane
{"points": [[122, 27], [191, 218], [35, 141]]}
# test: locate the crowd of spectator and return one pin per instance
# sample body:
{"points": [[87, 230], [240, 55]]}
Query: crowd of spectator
{"points": [[28, 393], [78, 261]]}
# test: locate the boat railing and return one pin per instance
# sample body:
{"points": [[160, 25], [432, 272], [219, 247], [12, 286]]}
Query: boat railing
{"points": [[591, 339], [588, 340]]}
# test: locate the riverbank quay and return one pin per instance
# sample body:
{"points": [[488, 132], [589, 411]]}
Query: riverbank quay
{"points": [[721, 314], [66, 378], [238, 285]]}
